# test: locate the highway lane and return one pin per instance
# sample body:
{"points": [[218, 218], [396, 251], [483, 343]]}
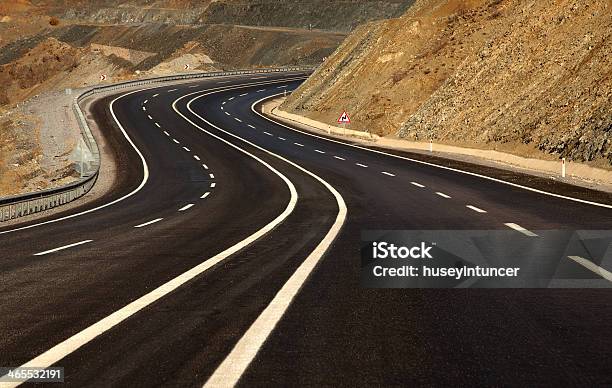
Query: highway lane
{"points": [[393, 336], [51, 297]]}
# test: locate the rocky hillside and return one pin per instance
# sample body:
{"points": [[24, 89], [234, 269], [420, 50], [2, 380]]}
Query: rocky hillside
{"points": [[515, 75]]}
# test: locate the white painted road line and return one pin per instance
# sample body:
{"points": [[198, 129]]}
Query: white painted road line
{"points": [[223, 82], [205, 166], [387, 173], [319, 151], [237, 119], [227, 113], [150, 118], [145, 101], [212, 176], [176, 141], [155, 95], [193, 86], [62, 247], [157, 125], [172, 90], [212, 185], [592, 267], [186, 149], [361, 165], [521, 229], [282, 138], [443, 195], [261, 90], [299, 145], [230, 99], [196, 157], [222, 108], [417, 184], [166, 133], [282, 86], [144, 108], [186, 207], [338, 157], [224, 102], [250, 126], [243, 94], [475, 209], [268, 133], [206, 194], [149, 223]]}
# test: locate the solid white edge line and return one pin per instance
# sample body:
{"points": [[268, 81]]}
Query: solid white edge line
{"points": [[443, 195], [434, 164], [148, 223], [86, 335], [417, 184], [233, 366], [519, 228], [188, 206], [62, 247], [476, 209], [145, 175], [592, 267]]}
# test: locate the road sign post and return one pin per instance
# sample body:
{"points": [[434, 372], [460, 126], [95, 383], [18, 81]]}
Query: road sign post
{"points": [[343, 120]]}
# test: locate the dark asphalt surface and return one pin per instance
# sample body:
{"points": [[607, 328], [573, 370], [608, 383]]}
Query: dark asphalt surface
{"points": [[335, 333]]}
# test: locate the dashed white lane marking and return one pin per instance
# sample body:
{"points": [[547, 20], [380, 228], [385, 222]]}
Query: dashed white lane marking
{"points": [[475, 209], [193, 86], [338, 157], [186, 207], [519, 228], [155, 95], [206, 194], [166, 133], [237, 119], [144, 108], [212, 185], [282, 138], [268, 133], [261, 90], [282, 86], [227, 113], [230, 99], [186, 149], [319, 151], [417, 184], [212, 176], [250, 126], [62, 247], [150, 118], [145, 101], [176, 141], [157, 125], [223, 82], [222, 108], [205, 166], [172, 90], [244, 94], [148, 223], [299, 145], [361, 165], [592, 267], [387, 173], [196, 157], [443, 195], [224, 102]]}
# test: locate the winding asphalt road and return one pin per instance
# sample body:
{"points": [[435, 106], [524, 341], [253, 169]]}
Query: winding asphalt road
{"points": [[232, 255]]}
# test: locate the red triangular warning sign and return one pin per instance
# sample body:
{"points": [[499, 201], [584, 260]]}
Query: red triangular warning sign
{"points": [[344, 118]]}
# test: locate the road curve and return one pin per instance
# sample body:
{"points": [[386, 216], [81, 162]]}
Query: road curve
{"points": [[216, 173]]}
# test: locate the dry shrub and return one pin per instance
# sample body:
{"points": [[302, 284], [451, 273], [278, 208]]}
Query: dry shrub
{"points": [[54, 21]]}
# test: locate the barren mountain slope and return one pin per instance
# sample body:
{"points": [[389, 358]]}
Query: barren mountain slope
{"points": [[506, 74]]}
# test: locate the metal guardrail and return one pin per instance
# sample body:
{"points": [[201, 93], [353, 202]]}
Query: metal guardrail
{"points": [[25, 204]]}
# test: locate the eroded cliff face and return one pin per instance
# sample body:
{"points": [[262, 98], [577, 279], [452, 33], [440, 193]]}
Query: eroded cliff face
{"points": [[521, 76]]}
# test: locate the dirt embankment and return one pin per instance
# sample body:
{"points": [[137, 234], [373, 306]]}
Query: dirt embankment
{"points": [[528, 77]]}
